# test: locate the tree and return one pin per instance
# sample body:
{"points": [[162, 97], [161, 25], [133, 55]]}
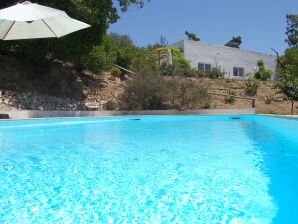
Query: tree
{"points": [[288, 85], [192, 36], [290, 58], [263, 74], [292, 30], [162, 42], [122, 40], [234, 42], [288, 82], [124, 4], [75, 47]]}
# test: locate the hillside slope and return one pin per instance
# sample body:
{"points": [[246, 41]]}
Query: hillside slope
{"points": [[24, 86], [268, 101]]}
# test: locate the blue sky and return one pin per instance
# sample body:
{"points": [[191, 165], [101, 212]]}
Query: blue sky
{"points": [[260, 23]]}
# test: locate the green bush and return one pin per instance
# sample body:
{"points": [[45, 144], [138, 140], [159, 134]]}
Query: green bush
{"points": [[98, 60], [230, 98], [269, 99], [186, 94], [124, 56], [143, 59], [182, 63], [118, 49], [151, 91], [145, 92], [251, 87], [187, 72], [177, 56], [262, 74], [214, 73], [175, 70], [290, 59], [115, 72]]}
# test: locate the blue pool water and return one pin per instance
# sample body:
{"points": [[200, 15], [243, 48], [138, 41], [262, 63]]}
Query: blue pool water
{"points": [[179, 169]]}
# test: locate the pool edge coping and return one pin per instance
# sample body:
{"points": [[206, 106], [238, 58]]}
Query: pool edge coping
{"points": [[57, 114]]}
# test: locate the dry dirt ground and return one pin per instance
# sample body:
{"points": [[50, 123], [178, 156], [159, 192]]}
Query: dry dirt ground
{"points": [[268, 101]]}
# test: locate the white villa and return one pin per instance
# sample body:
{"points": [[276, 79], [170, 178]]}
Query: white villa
{"points": [[234, 62]]}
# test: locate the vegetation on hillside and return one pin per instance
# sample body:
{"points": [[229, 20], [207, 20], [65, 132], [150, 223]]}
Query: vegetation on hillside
{"points": [[288, 63], [150, 91], [77, 47], [288, 69], [262, 74], [156, 85]]}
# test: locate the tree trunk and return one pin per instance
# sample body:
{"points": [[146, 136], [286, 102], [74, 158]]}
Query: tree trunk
{"points": [[292, 109]]}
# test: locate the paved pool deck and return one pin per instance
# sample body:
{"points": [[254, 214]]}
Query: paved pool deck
{"points": [[282, 116], [31, 114]]}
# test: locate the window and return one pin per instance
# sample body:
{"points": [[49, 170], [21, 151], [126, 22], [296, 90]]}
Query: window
{"points": [[204, 67], [239, 72]]}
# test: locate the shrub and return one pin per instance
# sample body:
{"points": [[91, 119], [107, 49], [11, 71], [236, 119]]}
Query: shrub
{"points": [[201, 74], [115, 72], [230, 98], [187, 72], [214, 73], [143, 60], [151, 91], [268, 99], [98, 60], [124, 56], [185, 94], [182, 63], [174, 70], [262, 74], [177, 56], [168, 70], [118, 49], [145, 92], [251, 87]]}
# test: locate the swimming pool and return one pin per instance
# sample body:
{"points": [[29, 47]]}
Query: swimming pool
{"points": [[159, 169]]}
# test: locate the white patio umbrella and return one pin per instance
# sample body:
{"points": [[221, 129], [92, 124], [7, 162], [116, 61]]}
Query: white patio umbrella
{"points": [[29, 21]]}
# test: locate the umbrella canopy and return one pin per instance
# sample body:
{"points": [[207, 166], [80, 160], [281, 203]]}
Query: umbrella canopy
{"points": [[29, 21]]}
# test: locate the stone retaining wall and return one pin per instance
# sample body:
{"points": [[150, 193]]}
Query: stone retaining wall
{"points": [[33, 101]]}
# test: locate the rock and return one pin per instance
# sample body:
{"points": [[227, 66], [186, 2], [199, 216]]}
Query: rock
{"points": [[4, 116], [110, 105], [6, 101]]}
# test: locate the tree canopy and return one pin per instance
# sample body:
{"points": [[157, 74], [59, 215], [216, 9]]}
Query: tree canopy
{"points": [[290, 58], [234, 42], [288, 69], [263, 74], [292, 30], [74, 47], [192, 36]]}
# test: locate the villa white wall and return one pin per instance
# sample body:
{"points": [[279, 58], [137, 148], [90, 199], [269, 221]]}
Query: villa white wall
{"points": [[229, 57]]}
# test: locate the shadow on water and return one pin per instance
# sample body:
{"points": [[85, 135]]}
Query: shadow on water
{"points": [[279, 151]]}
